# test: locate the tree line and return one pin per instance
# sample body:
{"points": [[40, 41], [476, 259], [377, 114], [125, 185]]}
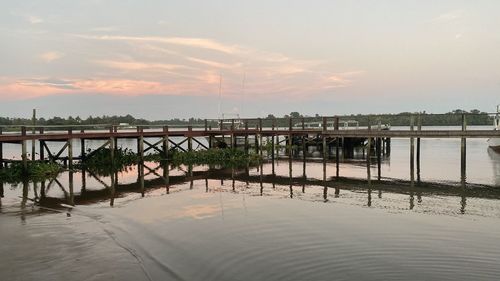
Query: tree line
{"points": [[452, 118]]}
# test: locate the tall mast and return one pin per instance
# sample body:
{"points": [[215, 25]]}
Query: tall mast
{"points": [[220, 95]]}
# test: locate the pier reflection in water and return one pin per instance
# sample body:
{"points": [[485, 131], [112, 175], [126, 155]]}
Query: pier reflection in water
{"points": [[86, 187], [291, 221]]}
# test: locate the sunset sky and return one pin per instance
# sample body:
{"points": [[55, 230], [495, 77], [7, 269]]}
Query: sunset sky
{"points": [[164, 59]]}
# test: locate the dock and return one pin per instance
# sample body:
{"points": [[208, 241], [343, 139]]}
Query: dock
{"points": [[252, 132]]}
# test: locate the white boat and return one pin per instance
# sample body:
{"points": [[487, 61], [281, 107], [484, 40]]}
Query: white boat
{"points": [[494, 143]]}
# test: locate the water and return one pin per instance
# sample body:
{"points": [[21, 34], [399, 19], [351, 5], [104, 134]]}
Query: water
{"points": [[229, 225]]}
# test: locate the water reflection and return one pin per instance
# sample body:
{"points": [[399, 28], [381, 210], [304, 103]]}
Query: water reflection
{"points": [[86, 187]]}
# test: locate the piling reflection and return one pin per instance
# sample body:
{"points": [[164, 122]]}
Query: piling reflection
{"points": [[86, 187]]}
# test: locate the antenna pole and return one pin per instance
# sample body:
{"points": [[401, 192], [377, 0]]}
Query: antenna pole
{"points": [[220, 94]]}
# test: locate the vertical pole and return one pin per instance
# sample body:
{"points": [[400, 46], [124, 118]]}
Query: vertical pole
{"points": [[273, 147], [323, 136], [112, 152], [246, 137], [412, 152], [70, 149], [82, 146], [379, 158], [304, 155], [233, 141], [258, 149], [419, 129], [378, 147], [115, 130], [165, 142], [141, 146], [206, 125], [24, 155], [71, 198], [42, 148], [139, 130], [1, 152], [33, 123], [260, 140], [368, 154], [190, 139], [84, 180], [463, 147], [337, 140]]}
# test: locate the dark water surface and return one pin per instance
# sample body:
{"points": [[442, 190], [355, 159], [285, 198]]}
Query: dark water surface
{"points": [[213, 224]]}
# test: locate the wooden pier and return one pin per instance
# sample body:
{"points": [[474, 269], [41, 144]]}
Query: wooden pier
{"points": [[161, 139]]}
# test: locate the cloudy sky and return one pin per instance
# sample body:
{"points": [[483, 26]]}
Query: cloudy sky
{"points": [[163, 59]]}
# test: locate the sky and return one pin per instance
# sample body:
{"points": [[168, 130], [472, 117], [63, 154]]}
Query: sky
{"points": [[161, 59]]}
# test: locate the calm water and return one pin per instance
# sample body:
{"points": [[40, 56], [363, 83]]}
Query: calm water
{"points": [[212, 224]]}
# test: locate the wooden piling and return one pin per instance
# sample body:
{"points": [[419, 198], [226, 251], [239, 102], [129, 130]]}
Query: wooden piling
{"points": [[368, 156], [325, 149], [304, 155], [258, 142], [273, 148], [190, 139], [165, 142], [70, 150], [379, 158], [141, 147], [246, 137], [463, 150], [337, 150], [33, 123], [419, 128], [1, 151], [24, 152], [82, 147], [112, 151], [233, 140], [412, 152]]}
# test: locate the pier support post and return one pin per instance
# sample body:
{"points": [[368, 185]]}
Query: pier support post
{"points": [[463, 150], [379, 158], [337, 150], [112, 151], [190, 139], [42, 146], [325, 149], [368, 156], [33, 123], [246, 137], [412, 152], [70, 150], [24, 152], [82, 147], [273, 148], [1, 152], [141, 147], [419, 129], [260, 139], [304, 155], [165, 142]]}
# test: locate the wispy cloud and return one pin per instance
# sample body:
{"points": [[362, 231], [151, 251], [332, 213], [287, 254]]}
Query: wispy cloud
{"points": [[188, 66], [134, 65], [33, 19], [448, 16], [104, 29], [183, 41], [50, 56]]}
